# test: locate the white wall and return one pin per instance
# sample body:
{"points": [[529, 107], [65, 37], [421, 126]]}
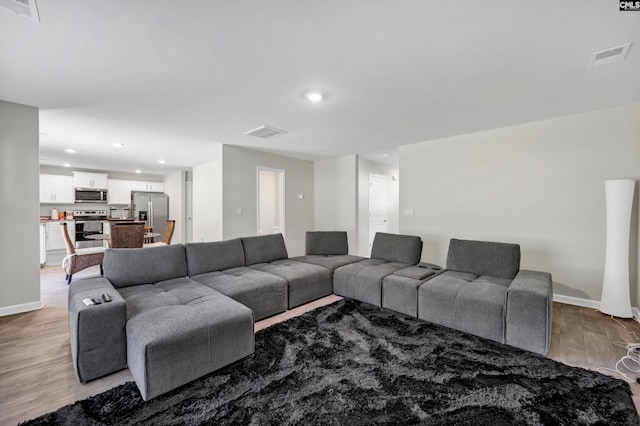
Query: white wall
{"points": [[335, 188], [540, 185], [207, 199], [174, 187], [240, 192], [365, 168], [19, 209]]}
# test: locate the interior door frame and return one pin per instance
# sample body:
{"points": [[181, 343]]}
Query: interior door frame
{"points": [[385, 180], [282, 204]]}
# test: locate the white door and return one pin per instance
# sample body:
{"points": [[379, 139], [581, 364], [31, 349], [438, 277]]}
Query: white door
{"points": [[271, 201], [377, 206]]}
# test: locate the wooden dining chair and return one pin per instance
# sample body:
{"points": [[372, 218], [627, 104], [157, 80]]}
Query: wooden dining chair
{"points": [[166, 236], [78, 259], [127, 235]]}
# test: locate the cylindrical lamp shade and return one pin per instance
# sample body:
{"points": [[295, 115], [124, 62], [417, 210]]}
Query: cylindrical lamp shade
{"points": [[616, 299]]}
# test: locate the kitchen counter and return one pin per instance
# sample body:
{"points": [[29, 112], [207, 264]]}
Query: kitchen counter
{"points": [[46, 219]]}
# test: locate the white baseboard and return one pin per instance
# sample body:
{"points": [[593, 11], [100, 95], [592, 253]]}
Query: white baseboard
{"points": [[18, 309], [586, 303]]}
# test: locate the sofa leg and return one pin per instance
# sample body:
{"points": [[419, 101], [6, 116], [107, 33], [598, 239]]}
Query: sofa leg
{"points": [[69, 279], [101, 270]]}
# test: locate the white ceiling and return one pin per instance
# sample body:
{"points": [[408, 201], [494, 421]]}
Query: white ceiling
{"points": [[170, 79]]}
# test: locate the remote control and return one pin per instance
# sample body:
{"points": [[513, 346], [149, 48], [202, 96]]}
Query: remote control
{"points": [[106, 298], [96, 301], [87, 302]]}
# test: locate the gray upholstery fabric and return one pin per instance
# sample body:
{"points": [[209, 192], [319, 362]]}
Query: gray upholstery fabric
{"points": [[529, 311], [330, 262], [307, 282], [264, 249], [213, 256], [174, 344], [97, 332], [484, 258], [127, 267], [265, 294], [400, 289], [397, 248], [363, 280], [466, 302], [326, 242]]}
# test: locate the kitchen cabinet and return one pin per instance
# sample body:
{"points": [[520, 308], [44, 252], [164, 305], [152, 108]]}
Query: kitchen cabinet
{"points": [[119, 191], [56, 189], [138, 185], [54, 237], [89, 180]]}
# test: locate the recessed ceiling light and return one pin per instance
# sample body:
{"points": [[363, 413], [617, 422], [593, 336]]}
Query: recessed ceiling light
{"points": [[315, 96], [138, 171], [161, 161], [66, 164], [117, 144], [71, 150]]}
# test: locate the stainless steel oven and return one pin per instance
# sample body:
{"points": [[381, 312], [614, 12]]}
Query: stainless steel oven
{"points": [[88, 225]]}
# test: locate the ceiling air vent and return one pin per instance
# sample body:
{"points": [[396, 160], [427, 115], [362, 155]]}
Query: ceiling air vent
{"points": [[609, 56], [265, 132], [26, 8]]}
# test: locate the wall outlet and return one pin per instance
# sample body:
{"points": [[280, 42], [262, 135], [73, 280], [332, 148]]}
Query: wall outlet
{"points": [[408, 212], [240, 211]]}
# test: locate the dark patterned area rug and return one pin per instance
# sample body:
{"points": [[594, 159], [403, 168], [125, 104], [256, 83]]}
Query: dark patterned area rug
{"points": [[351, 363]]}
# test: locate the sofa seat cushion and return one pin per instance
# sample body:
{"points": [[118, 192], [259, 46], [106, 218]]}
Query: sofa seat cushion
{"points": [[178, 291], [363, 280], [465, 301], [331, 262], [400, 289], [266, 294], [307, 282], [174, 344]]}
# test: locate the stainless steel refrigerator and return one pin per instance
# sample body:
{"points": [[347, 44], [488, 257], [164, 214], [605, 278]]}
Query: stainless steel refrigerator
{"points": [[152, 208]]}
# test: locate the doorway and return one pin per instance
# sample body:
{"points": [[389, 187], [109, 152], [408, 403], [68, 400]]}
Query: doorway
{"points": [[271, 201], [377, 206]]}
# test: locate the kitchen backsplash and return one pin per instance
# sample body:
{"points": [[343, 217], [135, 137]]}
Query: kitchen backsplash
{"points": [[45, 209]]}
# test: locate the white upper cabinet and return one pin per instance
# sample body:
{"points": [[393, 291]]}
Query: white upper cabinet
{"points": [[138, 185], [119, 191], [56, 189], [89, 180]]}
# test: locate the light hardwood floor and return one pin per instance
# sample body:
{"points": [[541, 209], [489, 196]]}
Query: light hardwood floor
{"points": [[36, 374]]}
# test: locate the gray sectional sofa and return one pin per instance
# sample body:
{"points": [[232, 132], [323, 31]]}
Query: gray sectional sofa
{"points": [[179, 312]]}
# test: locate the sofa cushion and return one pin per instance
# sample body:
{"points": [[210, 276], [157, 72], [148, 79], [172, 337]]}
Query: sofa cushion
{"points": [[363, 280], [331, 262], [307, 282], [484, 258], [127, 267], [326, 243], [466, 302], [214, 256], [397, 248], [266, 294], [264, 249]]}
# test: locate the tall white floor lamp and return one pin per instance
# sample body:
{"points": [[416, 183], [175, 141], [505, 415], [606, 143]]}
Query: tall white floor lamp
{"points": [[616, 299]]}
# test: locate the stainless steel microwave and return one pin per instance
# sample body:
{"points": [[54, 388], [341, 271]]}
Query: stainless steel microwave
{"points": [[91, 195]]}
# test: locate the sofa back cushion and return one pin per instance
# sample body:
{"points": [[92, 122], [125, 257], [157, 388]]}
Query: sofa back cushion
{"points": [[326, 243], [214, 256], [484, 258], [264, 249], [397, 248], [126, 267]]}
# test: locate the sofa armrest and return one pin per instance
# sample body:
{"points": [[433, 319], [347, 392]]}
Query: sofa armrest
{"points": [[528, 311], [96, 332]]}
